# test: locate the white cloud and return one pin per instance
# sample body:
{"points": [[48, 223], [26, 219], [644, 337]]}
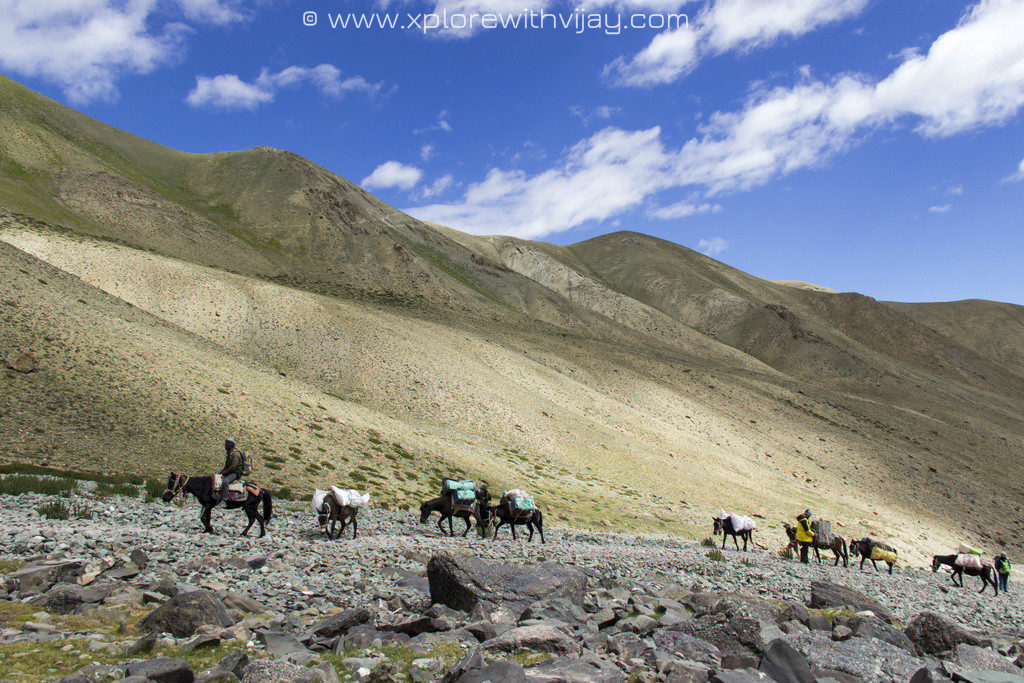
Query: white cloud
{"points": [[393, 174], [725, 25], [775, 133], [228, 91], [712, 246], [86, 46], [683, 209], [427, 152], [955, 190], [502, 8], [669, 55], [439, 186], [745, 24], [588, 116], [1019, 175], [943, 208], [441, 125]]}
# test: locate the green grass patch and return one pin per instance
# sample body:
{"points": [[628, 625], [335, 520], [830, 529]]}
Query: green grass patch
{"points": [[17, 484], [106, 490], [55, 509], [154, 489], [716, 555], [708, 542]]}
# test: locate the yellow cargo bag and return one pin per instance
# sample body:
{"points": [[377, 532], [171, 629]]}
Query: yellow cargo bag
{"points": [[883, 555]]}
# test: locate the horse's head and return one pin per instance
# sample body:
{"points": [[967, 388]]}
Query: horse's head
{"points": [[936, 563], [323, 515], [169, 490], [790, 530], [718, 525], [424, 512]]}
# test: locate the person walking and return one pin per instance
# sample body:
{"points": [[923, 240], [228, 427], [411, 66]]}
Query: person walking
{"points": [[804, 535], [1003, 570]]}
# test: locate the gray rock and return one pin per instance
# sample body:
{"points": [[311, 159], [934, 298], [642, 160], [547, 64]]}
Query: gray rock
{"points": [[934, 634], [200, 641], [785, 664], [183, 614], [868, 627], [143, 644], [828, 594], [341, 622], [972, 657], [139, 558], [496, 672], [462, 582], [280, 645], [539, 638], [42, 575], [866, 658], [281, 671], [163, 670], [585, 669]]}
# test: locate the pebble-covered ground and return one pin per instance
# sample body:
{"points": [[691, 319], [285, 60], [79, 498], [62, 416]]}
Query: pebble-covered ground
{"points": [[306, 576]]}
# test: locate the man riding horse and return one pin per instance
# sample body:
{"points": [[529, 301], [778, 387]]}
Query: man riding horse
{"points": [[234, 465]]}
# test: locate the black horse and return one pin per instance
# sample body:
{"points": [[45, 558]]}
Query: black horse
{"points": [[837, 544], [986, 572], [504, 513], [200, 487], [726, 529], [865, 548], [333, 513], [448, 511]]}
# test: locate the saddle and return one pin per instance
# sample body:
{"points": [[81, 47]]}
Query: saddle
{"points": [[236, 490]]}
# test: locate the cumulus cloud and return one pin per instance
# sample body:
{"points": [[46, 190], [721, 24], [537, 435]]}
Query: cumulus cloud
{"points": [[722, 26], [776, 132], [393, 174], [439, 186], [683, 209], [86, 46], [942, 208], [712, 246], [228, 91]]}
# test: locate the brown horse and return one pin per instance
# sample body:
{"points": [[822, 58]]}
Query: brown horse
{"points": [[333, 513], [837, 545], [865, 548], [986, 572], [444, 506], [726, 529]]}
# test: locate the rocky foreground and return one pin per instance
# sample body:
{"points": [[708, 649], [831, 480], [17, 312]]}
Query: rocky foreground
{"points": [[136, 592]]}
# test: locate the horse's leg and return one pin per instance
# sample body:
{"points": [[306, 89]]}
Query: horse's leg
{"points": [[540, 525], [496, 527], [817, 554], [344, 523], [891, 565], [512, 525], [736, 541], [204, 517], [468, 526], [250, 512], [440, 522], [874, 564], [724, 537], [355, 527]]}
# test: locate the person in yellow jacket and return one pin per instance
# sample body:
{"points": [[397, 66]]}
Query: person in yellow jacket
{"points": [[804, 535]]}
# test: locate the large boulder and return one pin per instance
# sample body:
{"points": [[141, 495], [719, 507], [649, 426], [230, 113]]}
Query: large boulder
{"points": [[785, 664], [588, 668], [506, 672], [163, 670], [934, 634], [539, 638], [865, 658], [972, 657], [828, 594], [40, 576], [185, 612], [870, 627], [282, 671], [687, 647], [740, 635], [463, 583], [337, 624]]}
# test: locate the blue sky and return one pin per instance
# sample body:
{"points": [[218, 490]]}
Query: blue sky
{"points": [[868, 146]]}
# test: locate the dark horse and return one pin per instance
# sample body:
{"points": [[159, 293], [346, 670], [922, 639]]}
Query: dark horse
{"points": [[986, 572], [504, 513], [200, 488], [726, 529], [335, 513], [837, 545], [864, 548], [448, 511]]}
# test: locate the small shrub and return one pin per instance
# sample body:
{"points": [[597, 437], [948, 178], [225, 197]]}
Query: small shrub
{"points": [[154, 489], [106, 490], [786, 553], [748, 563], [80, 511], [17, 484], [53, 510], [708, 542], [284, 493], [716, 555]]}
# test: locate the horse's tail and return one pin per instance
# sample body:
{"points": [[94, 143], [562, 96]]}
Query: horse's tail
{"points": [[268, 506]]}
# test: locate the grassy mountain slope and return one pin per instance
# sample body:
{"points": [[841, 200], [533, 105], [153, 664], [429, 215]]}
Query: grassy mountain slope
{"points": [[626, 380]]}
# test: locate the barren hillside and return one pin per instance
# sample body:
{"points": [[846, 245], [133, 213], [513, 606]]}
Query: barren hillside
{"points": [[171, 299]]}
